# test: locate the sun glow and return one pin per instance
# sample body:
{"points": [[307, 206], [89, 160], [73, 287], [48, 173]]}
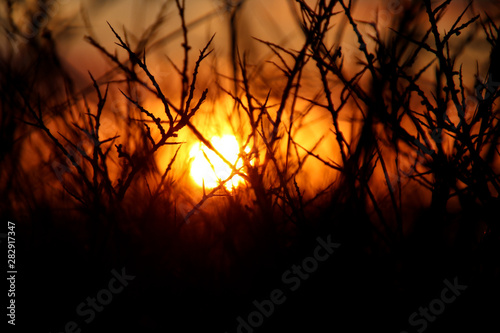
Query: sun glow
{"points": [[209, 170]]}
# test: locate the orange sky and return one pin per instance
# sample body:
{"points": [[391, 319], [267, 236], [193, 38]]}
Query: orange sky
{"points": [[271, 20]]}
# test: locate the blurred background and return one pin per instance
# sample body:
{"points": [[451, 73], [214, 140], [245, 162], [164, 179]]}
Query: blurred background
{"points": [[202, 272]]}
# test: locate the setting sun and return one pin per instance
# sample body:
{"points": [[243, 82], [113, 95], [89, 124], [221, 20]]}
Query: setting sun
{"points": [[209, 169]]}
